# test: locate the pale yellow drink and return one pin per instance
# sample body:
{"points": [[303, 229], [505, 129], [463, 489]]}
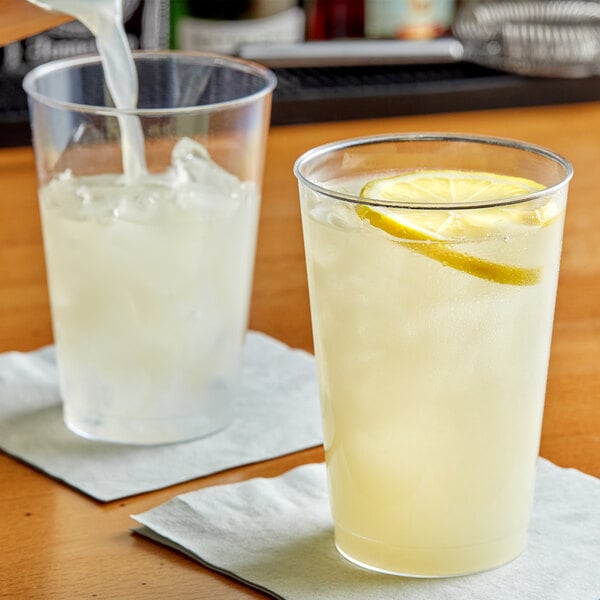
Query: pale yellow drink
{"points": [[432, 336], [149, 285]]}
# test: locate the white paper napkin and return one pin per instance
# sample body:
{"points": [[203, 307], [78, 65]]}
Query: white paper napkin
{"points": [[277, 535], [278, 414]]}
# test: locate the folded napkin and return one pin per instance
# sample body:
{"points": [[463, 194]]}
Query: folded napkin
{"points": [[277, 535], [278, 414]]}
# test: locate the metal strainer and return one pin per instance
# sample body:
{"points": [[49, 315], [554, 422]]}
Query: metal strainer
{"points": [[543, 38]]}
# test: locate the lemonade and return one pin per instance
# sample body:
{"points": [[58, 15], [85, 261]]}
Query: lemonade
{"points": [[149, 287], [432, 333]]}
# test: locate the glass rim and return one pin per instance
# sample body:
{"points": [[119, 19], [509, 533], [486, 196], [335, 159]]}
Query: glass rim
{"points": [[320, 151], [207, 58]]}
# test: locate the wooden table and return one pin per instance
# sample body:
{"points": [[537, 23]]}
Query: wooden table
{"points": [[58, 543]]}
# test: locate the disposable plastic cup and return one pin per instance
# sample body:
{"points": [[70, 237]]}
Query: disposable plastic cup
{"points": [[150, 271], [432, 320]]}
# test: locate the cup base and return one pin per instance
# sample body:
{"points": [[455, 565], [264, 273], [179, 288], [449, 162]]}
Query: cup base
{"points": [[428, 563], [144, 432]]}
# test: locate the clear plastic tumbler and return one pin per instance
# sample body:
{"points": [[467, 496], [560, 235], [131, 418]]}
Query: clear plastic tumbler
{"points": [[149, 219], [432, 264]]}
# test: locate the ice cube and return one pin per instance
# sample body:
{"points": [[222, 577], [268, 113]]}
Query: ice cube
{"points": [[143, 202], [202, 185], [70, 197], [192, 159], [338, 214]]}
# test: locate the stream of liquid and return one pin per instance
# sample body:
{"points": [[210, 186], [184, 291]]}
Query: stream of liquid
{"points": [[104, 18]]}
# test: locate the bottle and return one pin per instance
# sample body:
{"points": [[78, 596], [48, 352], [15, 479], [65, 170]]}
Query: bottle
{"points": [[334, 19], [227, 26], [409, 19]]}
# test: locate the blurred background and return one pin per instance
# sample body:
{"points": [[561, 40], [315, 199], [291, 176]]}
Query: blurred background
{"points": [[350, 59]]}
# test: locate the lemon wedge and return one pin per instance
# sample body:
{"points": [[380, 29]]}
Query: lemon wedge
{"points": [[432, 232]]}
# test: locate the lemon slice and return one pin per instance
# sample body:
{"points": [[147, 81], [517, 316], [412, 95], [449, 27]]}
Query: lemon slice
{"points": [[449, 186], [463, 187], [439, 228]]}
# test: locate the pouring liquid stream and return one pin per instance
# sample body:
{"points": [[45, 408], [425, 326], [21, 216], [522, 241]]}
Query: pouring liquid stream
{"points": [[104, 19]]}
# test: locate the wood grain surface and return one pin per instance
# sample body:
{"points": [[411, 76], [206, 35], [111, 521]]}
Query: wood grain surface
{"points": [[58, 543]]}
